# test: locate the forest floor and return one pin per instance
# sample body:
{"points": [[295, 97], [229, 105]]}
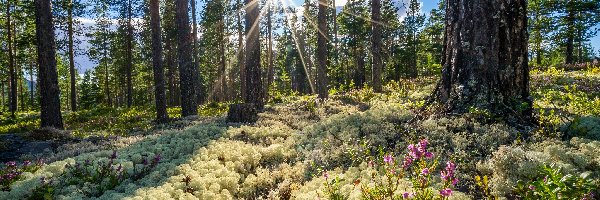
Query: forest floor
{"points": [[301, 148]]}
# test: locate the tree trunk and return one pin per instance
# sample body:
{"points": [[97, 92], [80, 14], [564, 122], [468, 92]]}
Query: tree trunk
{"points": [[48, 77], [253, 70], [184, 53], [72, 57], [222, 64], [12, 107], [485, 64], [253, 100], [129, 56], [157, 61], [322, 79], [335, 35], [241, 53], [570, 32], [377, 64], [270, 71], [196, 64]]}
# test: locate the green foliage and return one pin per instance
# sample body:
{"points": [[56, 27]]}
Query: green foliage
{"points": [[483, 185], [556, 185], [89, 91], [332, 191]]}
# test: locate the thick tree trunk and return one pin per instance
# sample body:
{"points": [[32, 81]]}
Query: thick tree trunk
{"points": [[157, 61], [72, 58], [184, 52], [12, 106], [253, 99], [253, 70], [376, 44], [322, 79], [129, 56], [485, 63], [48, 77]]}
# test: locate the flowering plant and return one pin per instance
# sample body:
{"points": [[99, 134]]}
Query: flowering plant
{"points": [[12, 172], [418, 165]]}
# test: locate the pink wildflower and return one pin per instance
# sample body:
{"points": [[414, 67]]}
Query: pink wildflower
{"points": [[425, 171], [388, 159], [446, 192], [428, 155]]}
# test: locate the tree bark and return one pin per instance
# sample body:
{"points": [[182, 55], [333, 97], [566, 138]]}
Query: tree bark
{"points": [[241, 53], [486, 62], [335, 34], [322, 79], [157, 61], [184, 53], [222, 64], [570, 32], [270, 71], [253, 69], [48, 77], [196, 64], [376, 44], [12, 106], [72, 57], [129, 56]]}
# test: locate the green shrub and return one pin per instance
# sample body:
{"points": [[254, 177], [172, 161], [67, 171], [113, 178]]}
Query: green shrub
{"points": [[556, 185]]}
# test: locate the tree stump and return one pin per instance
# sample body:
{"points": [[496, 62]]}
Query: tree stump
{"points": [[242, 113]]}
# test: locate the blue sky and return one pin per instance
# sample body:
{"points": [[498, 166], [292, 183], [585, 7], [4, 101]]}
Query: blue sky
{"points": [[83, 63]]}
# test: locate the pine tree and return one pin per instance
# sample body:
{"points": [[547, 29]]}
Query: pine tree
{"points": [[376, 44], [157, 61], [11, 62], [186, 69], [50, 104], [322, 51]]}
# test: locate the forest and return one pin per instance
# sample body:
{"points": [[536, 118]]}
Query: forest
{"points": [[300, 99]]}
